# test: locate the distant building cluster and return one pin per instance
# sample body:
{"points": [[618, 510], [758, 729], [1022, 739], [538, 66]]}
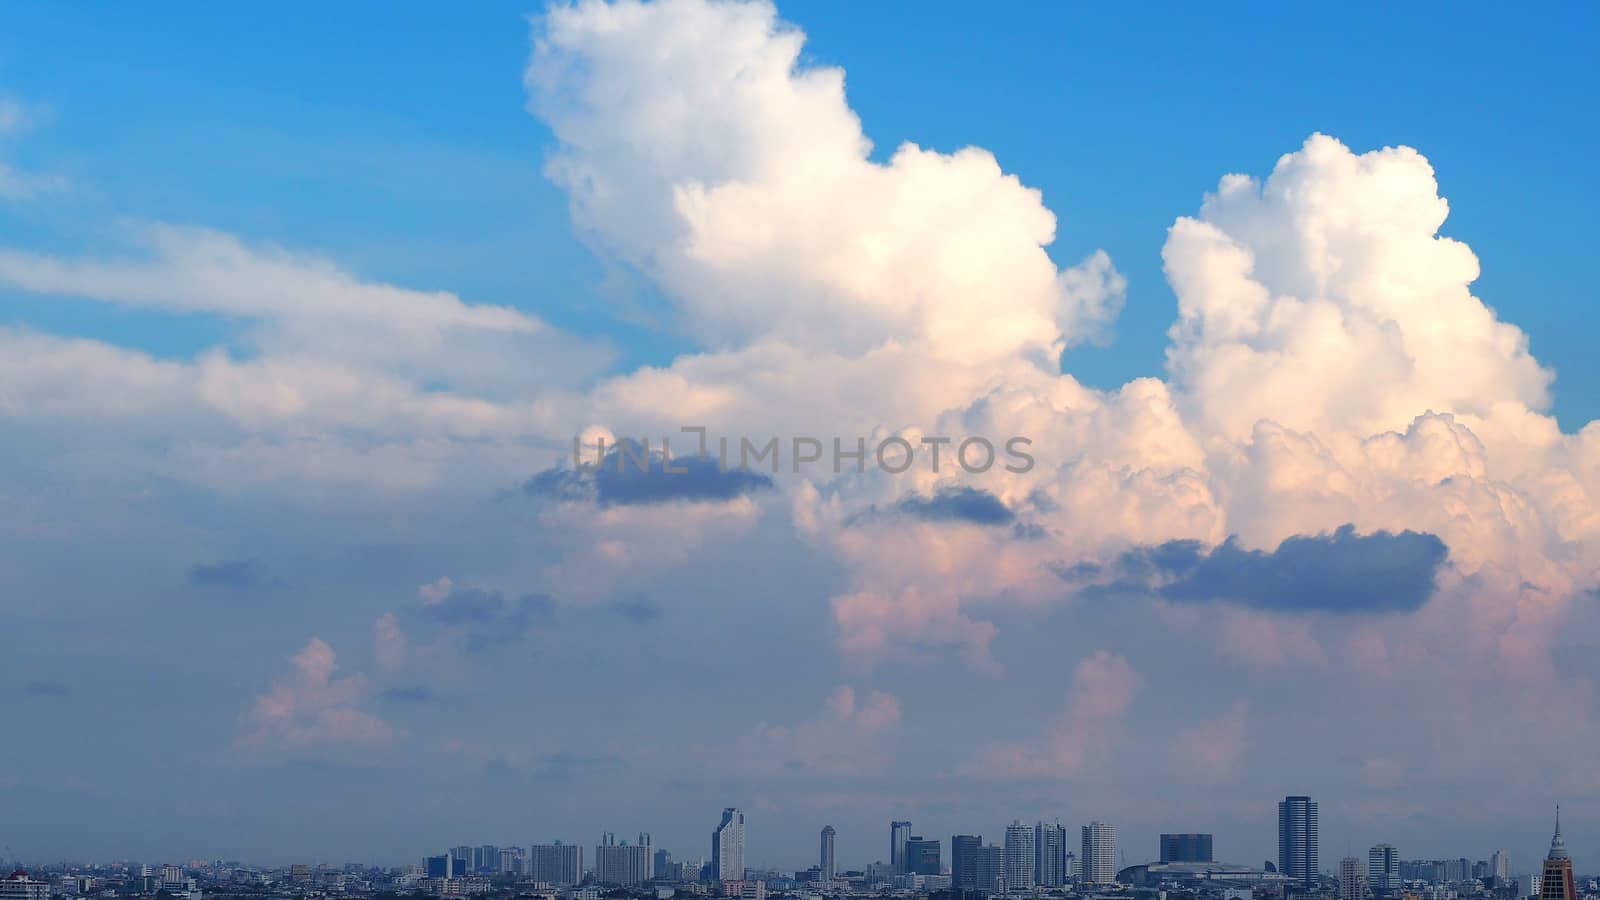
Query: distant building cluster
{"points": [[1038, 860]]}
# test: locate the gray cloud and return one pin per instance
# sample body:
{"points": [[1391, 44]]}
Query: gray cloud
{"points": [[1339, 572], [488, 618], [952, 503], [619, 481], [636, 610], [236, 575], [47, 690]]}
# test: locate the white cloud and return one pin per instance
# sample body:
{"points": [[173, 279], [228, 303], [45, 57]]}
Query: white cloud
{"points": [[311, 710], [1086, 734]]}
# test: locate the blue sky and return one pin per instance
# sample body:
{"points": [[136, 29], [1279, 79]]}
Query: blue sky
{"points": [[348, 282]]}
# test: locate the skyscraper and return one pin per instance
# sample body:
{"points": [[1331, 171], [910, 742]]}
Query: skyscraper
{"points": [[557, 863], [963, 861], [1556, 882], [1383, 869], [899, 833], [1050, 854], [1097, 859], [826, 863], [989, 868], [1297, 840], [621, 863], [727, 846], [1186, 848], [1020, 857]]}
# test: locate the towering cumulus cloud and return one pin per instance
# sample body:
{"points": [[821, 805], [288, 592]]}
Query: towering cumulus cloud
{"points": [[1330, 377]]}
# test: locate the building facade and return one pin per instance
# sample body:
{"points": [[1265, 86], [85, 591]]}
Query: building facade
{"points": [[1556, 881], [1050, 854], [922, 856], [557, 863], [1186, 848], [825, 864], [1383, 869], [1351, 884], [1020, 857], [1297, 840], [727, 846], [899, 833], [1097, 857]]}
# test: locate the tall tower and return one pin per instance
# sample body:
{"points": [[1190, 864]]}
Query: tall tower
{"points": [[1383, 869], [825, 863], [1297, 840], [899, 833], [1050, 853], [1350, 884], [1020, 857], [727, 846], [1556, 883], [1097, 863]]}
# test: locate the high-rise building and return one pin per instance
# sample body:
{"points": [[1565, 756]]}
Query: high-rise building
{"points": [[899, 833], [989, 868], [922, 856], [1186, 848], [727, 847], [1556, 882], [436, 866], [1050, 854], [1297, 840], [1019, 856], [622, 863], [963, 862], [1383, 869], [825, 864], [1097, 858], [1351, 886], [1500, 865], [557, 863]]}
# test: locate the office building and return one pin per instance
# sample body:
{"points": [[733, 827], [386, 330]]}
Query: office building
{"points": [[922, 856], [1097, 857], [1019, 857], [437, 866], [1186, 848], [825, 863], [1556, 881], [899, 833], [1050, 854], [558, 864], [1383, 869], [963, 848], [1297, 840], [1351, 885], [727, 847]]}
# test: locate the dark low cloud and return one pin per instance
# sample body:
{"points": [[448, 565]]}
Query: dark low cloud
{"points": [[637, 610], [47, 690], [236, 575], [619, 480], [487, 618], [1339, 572], [409, 694], [957, 503]]}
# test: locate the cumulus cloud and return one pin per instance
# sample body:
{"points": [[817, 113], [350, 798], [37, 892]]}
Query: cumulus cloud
{"points": [[311, 710], [1103, 687], [837, 742]]}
